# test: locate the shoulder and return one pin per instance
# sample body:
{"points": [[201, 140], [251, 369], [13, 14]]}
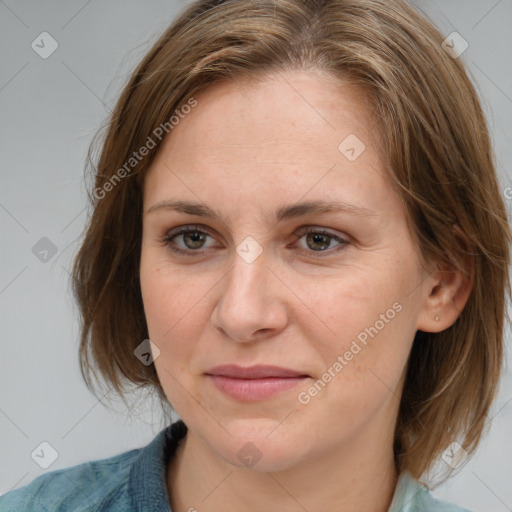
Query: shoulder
{"points": [[427, 503], [97, 485], [132, 481], [413, 496]]}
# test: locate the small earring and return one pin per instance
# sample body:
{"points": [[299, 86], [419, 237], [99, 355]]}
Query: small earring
{"points": [[436, 318]]}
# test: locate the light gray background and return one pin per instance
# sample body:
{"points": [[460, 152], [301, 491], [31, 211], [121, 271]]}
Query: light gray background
{"points": [[50, 109]]}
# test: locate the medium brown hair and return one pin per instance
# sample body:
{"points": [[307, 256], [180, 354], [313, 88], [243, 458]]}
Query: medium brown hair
{"points": [[436, 147]]}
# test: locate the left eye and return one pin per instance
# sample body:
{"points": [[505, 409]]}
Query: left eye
{"points": [[317, 240], [320, 239]]}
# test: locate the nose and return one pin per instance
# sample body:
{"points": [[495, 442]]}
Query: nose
{"points": [[252, 304]]}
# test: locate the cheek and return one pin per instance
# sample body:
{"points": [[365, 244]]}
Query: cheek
{"points": [[170, 304], [367, 321], [169, 297], [176, 305], [362, 366]]}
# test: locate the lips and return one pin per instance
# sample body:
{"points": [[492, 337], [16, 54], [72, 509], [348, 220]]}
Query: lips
{"points": [[254, 372], [255, 382]]}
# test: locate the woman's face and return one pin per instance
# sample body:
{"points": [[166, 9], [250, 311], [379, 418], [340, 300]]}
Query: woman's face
{"points": [[339, 306]]}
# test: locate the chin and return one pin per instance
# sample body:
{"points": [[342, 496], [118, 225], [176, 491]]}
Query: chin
{"points": [[260, 444], [262, 456]]}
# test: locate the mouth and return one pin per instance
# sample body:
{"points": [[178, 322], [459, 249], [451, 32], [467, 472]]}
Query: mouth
{"points": [[255, 382]]}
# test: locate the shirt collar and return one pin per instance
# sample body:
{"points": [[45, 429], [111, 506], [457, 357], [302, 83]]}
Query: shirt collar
{"points": [[148, 474], [406, 493]]}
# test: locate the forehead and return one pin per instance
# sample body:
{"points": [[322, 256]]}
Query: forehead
{"points": [[293, 135], [281, 109]]}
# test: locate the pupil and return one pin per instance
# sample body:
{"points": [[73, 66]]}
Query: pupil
{"points": [[320, 239], [195, 236]]}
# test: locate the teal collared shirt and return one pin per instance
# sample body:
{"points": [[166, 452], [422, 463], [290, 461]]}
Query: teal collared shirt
{"points": [[135, 481]]}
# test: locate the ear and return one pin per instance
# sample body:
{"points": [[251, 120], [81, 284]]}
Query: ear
{"points": [[446, 293]]}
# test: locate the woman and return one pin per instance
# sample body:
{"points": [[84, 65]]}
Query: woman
{"points": [[298, 242]]}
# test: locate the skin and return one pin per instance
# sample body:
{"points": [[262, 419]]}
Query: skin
{"points": [[245, 150]]}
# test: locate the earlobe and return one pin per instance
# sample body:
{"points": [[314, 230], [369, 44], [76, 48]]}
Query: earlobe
{"points": [[446, 294]]}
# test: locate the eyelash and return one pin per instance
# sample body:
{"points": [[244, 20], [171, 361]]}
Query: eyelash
{"points": [[305, 230]]}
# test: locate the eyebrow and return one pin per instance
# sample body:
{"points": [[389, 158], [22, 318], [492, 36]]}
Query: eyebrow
{"points": [[281, 213]]}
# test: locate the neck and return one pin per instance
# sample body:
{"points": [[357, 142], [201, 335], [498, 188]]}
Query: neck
{"points": [[358, 475]]}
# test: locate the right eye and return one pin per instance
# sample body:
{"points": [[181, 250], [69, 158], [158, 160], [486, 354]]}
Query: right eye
{"points": [[191, 237]]}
